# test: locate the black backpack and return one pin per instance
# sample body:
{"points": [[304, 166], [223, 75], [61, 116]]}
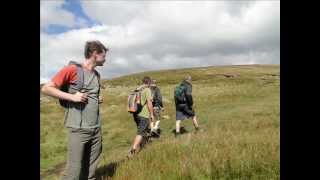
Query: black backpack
{"points": [[73, 88]]}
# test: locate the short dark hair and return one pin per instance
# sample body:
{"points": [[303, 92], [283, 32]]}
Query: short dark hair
{"points": [[146, 80], [92, 46]]}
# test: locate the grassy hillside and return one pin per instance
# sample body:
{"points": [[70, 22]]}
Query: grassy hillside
{"points": [[238, 108]]}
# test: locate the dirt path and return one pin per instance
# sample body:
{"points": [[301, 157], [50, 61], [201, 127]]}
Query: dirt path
{"points": [[57, 169]]}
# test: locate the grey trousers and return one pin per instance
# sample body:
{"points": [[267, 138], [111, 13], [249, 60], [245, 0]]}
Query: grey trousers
{"points": [[157, 113], [84, 149]]}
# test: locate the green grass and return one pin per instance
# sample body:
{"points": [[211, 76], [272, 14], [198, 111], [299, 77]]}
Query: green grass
{"points": [[240, 117]]}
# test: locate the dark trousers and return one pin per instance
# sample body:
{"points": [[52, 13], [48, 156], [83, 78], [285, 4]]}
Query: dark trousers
{"points": [[142, 125]]}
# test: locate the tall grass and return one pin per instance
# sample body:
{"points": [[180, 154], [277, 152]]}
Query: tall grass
{"points": [[239, 117]]}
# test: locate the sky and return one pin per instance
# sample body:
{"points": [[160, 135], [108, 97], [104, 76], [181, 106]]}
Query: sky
{"points": [[156, 35]]}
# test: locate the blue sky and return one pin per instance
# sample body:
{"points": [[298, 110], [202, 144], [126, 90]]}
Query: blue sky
{"points": [[74, 7], [154, 35]]}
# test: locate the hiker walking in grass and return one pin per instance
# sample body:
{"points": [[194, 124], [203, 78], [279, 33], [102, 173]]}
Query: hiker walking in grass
{"points": [[157, 108], [143, 116], [184, 104], [77, 86]]}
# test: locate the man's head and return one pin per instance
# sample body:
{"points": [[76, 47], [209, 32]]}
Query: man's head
{"points": [[188, 78], [95, 51], [154, 82], [146, 80]]}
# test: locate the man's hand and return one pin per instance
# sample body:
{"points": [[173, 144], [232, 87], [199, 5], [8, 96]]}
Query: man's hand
{"points": [[80, 97], [151, 118], [100, 99], [51, 89]]}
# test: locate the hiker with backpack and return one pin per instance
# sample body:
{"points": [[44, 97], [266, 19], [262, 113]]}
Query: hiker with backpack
{"points": [[77, 86], [142, 111], [157, 108], [184, 104]]}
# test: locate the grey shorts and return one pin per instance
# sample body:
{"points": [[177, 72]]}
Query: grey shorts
{"points": [[184, 112], [142, 125]]}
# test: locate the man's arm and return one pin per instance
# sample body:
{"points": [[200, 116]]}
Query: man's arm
{"points": [[52, 90], [189, 95], [149, 105]]}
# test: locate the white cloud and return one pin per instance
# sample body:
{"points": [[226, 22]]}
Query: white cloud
{"points": [[164, 35], [51, 12], [113, 12], [43, 80]]}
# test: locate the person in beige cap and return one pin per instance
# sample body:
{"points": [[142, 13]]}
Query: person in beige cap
{"points": [[184, 104]]}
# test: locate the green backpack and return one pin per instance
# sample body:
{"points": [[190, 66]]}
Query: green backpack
{"points": [[179, 93]]}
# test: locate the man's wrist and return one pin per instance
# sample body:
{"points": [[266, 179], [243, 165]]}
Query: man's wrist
{"points": [[70, 97]]}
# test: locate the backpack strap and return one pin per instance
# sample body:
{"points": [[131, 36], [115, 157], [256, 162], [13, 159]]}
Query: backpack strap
{"points": [[139, 91], [80, 78], [73, 88], [144, 87], [98, 77], [140, 88]]}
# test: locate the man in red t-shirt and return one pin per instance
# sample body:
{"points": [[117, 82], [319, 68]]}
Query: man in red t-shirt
{"points": [[82, 114]]}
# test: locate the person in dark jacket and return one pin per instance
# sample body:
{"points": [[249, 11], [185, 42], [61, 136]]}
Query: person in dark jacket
{"points": [[157, 107], [184, 109]]}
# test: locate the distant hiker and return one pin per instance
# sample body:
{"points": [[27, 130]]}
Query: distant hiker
{"points": [[77, 86], [157, 108], [143, 116], [184, 102]]}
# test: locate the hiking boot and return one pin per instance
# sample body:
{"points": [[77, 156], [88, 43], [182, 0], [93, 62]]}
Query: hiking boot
{"points": [[197, 130], [145, 141], [176, 134], [183, 130], [154, 133]]}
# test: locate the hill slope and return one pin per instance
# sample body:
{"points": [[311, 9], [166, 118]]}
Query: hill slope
{"points": [[238, 108]]}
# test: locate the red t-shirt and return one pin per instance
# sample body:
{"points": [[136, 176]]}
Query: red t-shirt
{"points": [[66, 75]]}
